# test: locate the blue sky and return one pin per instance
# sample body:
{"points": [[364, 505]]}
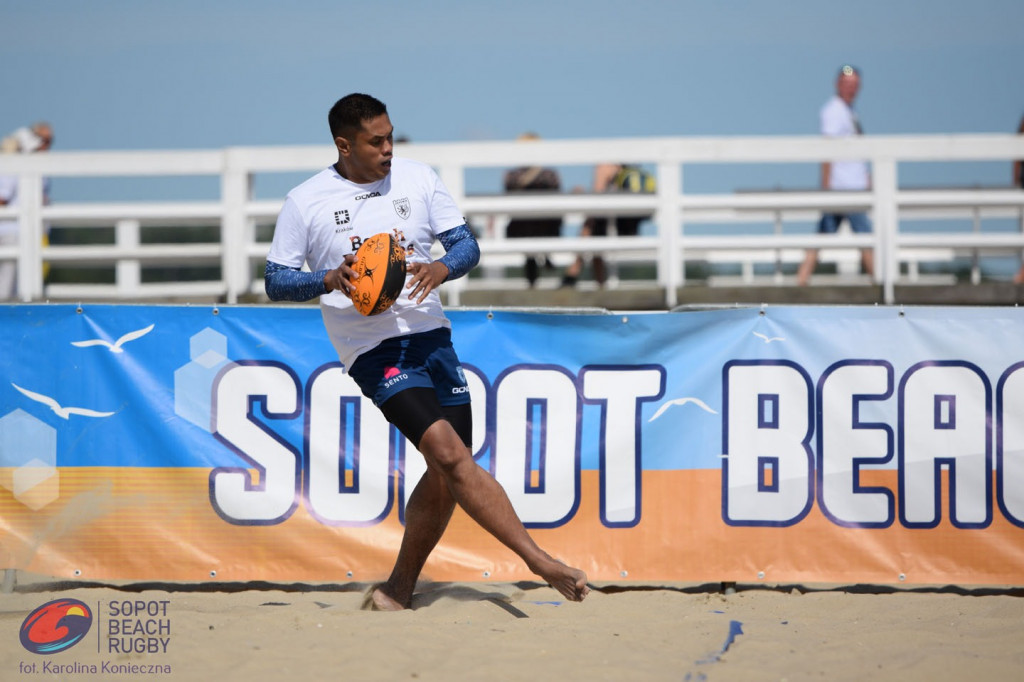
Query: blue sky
{"points": [[200, 74]]}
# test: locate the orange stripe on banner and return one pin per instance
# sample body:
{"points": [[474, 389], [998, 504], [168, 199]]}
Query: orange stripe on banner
{"points": [[158, 524]]}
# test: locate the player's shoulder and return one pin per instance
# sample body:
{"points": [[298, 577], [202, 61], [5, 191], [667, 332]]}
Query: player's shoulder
{"points": [[402, 167], [316, 184]]}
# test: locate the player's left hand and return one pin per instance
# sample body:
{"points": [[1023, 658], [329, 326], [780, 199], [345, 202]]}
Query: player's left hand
{"points": [[425, 278]]}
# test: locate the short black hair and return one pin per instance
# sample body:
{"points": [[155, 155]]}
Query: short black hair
{"points": [[348, 113]]}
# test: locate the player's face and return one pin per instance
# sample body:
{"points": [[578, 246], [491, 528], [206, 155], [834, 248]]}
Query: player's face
{"points": [[368, 157]]}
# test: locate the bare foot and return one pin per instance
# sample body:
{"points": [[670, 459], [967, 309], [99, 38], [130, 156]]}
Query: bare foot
{"points": [[377, 600], [570, 582]]}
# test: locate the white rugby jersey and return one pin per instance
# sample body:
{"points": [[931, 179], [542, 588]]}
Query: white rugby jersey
{"points": [[327, 217]]}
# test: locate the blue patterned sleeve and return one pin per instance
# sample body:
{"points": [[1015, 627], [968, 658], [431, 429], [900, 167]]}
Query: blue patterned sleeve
{"points": [[462, 251], [283, 283]]}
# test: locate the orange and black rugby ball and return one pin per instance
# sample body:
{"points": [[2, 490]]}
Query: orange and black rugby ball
{"points": [[380, 263]]}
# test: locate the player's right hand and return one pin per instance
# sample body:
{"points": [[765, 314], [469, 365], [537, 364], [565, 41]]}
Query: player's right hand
{"points": [[341, 277]]}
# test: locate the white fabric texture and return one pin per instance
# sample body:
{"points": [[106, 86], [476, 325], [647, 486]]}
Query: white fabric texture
{"points": [[839, 120]]}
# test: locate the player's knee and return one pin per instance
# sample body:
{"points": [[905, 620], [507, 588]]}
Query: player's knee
{"points": [[448, 456]]}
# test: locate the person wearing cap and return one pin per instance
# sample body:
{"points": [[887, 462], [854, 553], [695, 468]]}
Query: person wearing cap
{"points": [[35, 138], [838, 119]]}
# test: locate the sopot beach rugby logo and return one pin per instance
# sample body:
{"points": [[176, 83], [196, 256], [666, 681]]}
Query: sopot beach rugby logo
{"points": [[56, 626]]}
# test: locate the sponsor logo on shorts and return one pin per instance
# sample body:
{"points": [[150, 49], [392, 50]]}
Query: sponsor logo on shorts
{"points": [[392, 375], [462, 377]]}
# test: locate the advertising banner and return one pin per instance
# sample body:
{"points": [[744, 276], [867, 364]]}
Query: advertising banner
{"points": [[781, 444]]}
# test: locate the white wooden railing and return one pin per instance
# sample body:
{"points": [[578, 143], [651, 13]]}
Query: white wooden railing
{"points": [[239, 253]]}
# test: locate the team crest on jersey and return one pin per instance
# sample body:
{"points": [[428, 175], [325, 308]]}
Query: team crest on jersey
{"points": [[403, 208]]}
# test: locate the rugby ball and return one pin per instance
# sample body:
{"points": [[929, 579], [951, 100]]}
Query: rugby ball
{"points": [[380, 264]]}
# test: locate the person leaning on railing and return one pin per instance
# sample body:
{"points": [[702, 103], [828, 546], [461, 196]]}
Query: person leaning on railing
{"points": [[611, 177], [533, 179]]}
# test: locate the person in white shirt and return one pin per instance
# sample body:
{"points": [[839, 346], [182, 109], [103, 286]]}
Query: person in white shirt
{"points": [[838, 119], [35, 138], [402, 359]]}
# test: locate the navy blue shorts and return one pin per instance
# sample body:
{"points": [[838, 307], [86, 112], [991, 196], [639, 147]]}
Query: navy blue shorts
{"points": [[829, 223], [424, 360]]}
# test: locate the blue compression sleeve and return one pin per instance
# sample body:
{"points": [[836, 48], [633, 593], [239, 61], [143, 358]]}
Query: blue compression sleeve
{"points": [[461, 250], [283, 283]]}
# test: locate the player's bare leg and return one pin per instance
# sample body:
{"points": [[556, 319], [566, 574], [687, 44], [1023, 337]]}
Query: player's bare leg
{"points": [[483, 498], [427, 514]]}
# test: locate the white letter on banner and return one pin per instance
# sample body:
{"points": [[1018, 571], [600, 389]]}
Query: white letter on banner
{"points": [[766, 470], [944, 420], [536, 450], [1010, 444], [845, 443], [232, 493], [339, 417], [621, 392]]}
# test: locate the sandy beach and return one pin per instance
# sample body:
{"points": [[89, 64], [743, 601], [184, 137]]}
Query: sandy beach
{"points": [[526, 631]]}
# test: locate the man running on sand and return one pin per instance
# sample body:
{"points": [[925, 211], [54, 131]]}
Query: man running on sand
{"points": [[322, 223]]}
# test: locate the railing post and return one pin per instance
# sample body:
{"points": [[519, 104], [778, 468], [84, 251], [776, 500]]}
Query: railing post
{"points": [[672, 262], [453, 177], [777, 231], [30, 239], [1020, 221], [975, 259], [887, 263], [235, 190], [10, 580], [128, 273]]}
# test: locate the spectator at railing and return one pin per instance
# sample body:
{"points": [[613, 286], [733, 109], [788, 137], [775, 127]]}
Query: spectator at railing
{"points": [[36, 138], [533, 179], [838, 119], [611, 177]]}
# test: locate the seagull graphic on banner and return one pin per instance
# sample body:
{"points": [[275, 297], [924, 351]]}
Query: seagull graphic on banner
{"points": [[681, 401], [768, 339], [58, 409], [116, 346]]}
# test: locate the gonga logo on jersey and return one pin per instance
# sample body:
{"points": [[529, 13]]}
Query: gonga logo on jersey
{"points": [[56, 626]]}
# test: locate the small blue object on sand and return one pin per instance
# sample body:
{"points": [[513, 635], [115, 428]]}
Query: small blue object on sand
{"points": [[735, 629]]}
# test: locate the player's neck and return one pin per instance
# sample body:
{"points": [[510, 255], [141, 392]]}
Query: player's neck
{"points": [[346, 173]]}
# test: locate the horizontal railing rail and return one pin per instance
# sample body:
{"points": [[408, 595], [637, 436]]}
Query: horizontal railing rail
{"points": [[687, 225]]}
